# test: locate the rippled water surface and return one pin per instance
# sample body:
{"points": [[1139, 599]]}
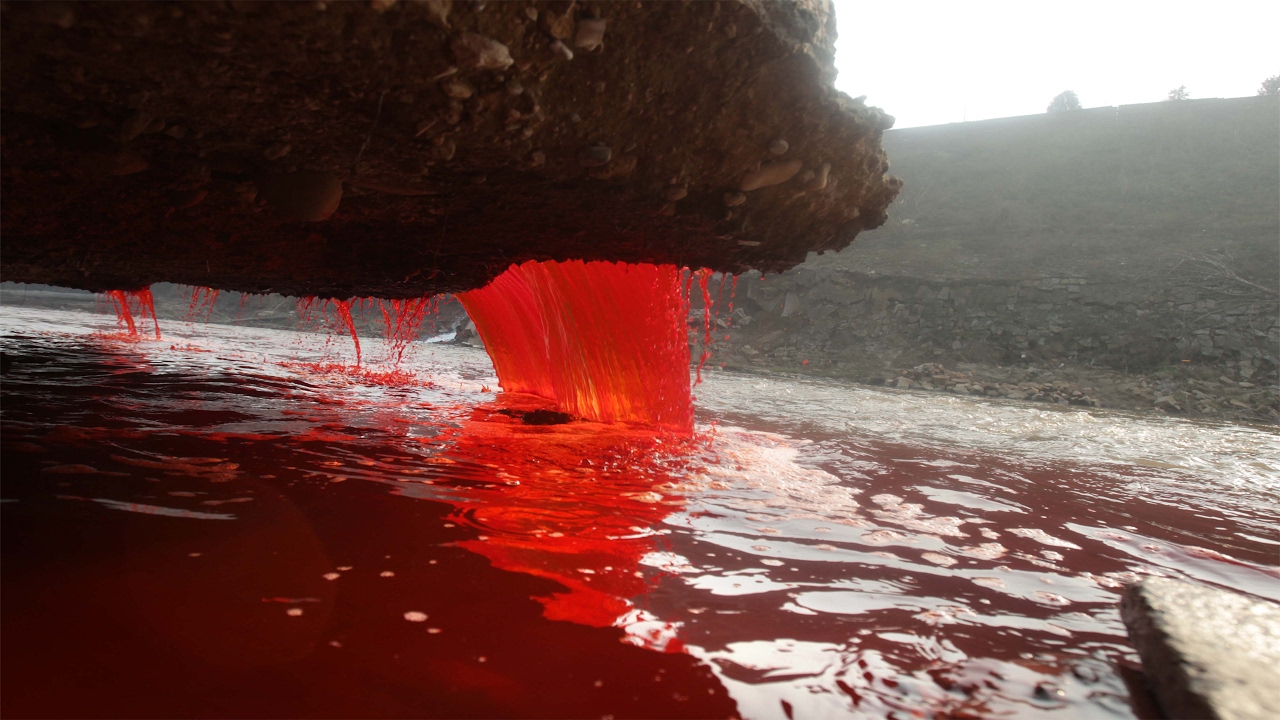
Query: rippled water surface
{"points": [[230, 522]]}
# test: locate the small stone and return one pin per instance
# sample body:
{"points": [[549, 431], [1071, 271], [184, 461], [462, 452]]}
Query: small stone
{"points": [[438, 11], [779, 147], [458, 88], [451, 70], [819, 181], [477, 52], [595, 156], [444, 151], [676, 192], [275, 151], [177, 132], [514, 87], [734, 199], [133, 126], [537, 159], [769, 174], [306, 196], [562, 50], [531, 13], [590, 34], [559, 27], [620, 167]]}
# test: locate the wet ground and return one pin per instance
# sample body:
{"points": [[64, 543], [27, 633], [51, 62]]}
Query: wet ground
{"points": [[232, 522]]}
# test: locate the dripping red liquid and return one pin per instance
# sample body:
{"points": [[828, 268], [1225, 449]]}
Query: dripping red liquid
{"points": [[124, 315], [606, 341]]}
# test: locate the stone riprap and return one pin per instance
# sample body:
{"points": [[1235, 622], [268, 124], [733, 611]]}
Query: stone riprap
{"points": [[1066, 340]]}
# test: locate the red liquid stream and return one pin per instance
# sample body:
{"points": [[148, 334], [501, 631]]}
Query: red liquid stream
{"points": [[124, 315], [604, 340]]}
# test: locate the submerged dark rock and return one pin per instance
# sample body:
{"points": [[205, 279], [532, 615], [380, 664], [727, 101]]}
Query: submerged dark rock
{"points": [[546, 417], [108, 116]]}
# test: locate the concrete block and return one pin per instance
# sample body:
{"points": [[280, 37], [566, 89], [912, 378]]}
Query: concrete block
{"points": [[1207, 653]]}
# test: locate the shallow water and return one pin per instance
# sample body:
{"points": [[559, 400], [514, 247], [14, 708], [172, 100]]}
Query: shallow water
{"points": [[226, 523]]}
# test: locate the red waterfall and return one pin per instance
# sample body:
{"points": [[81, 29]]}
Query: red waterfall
{"points": [[606, 341], [146, 305]]}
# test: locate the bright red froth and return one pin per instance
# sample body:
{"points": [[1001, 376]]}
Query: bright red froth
{"points": [[606, 341]]}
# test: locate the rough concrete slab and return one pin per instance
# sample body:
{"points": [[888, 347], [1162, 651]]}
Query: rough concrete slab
{"points": [[1208, 653]]}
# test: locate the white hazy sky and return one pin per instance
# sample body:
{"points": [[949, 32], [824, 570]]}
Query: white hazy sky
{"points": [[928, 63]]}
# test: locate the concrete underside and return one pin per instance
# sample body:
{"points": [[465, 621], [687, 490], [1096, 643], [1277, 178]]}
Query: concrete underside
{"points": [[403, 149]]}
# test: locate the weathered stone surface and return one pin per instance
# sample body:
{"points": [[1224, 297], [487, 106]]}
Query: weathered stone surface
{"points": [[1207, 653], [444, 185]]}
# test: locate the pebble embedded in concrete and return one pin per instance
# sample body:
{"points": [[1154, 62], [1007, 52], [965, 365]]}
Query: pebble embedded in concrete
{"points": [[590, 34], [438, 11], [562, 50], [779, 147], [769, 174], [819, 180], [306, 196], [275, 151], [477, 52], [457, 88]]}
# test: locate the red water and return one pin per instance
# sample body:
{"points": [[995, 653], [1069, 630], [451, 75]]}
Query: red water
{"points": [[122, 299], [190, 530], [605, 341]]}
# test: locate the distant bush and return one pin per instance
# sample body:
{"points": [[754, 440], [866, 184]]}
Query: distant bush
{"points": [[1179, 93], [1066, 100], [1270, 86]]}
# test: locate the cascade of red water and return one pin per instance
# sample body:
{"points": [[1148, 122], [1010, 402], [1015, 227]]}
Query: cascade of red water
{"points": [[409, 316], [604, 340], [342, 308], [703, 275], [201, 298], [124, 315]]}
